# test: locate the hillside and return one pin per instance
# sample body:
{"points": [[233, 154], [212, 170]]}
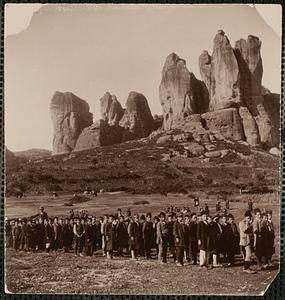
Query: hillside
{"points": [[33, 153], [172, 162]]}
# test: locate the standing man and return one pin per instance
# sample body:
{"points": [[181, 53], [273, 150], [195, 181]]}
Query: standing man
{"points": [[258, 240], [148, 236], [170, 238], [134, 233], [202, 238], [193, 241], [246, 231], [179, 239], [161, 240], [78, 230]]}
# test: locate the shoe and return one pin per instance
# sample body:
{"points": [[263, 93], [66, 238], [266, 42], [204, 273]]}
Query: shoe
{"points": [[80, 254], [249, 271], [179, 265], [217, 266]]}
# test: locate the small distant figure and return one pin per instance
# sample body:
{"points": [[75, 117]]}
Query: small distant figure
{"points": [[43, 215], [94, 193], [227, 204], [250, 205], [55, 195], [196, 202], [218, 207], [129, 212], [71, 214], [206, 209]]}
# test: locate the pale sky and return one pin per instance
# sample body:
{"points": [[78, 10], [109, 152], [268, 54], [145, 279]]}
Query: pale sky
{"points": [[118, 60], [23, 14]]}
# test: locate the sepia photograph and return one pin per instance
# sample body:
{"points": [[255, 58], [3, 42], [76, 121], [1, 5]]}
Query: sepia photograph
{"points": [[142, 148]]}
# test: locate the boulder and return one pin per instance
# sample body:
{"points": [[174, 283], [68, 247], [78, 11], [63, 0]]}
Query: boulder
{"points": [[180, 93], [226, 122], [274, 151], [98, 134], [249, 126], [137, 121], [164, 139], [111, 109], [70, 115], [194, 149], [213, 154]]}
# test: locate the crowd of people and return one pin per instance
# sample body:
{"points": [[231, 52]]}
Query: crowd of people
{"points": [[176, 234]]}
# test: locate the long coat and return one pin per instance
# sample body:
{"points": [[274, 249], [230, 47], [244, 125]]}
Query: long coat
{"points": [[122, 235], [134, 235], [110, 233], [161, 233], [148, 234], [49, 233], [179, 234], [245, 231], [202, 234], [193, 241]]}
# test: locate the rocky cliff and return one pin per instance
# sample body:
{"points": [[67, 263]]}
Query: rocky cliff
{"points": [[180, 93], [70, 115], [137, 121], [111, 109]]}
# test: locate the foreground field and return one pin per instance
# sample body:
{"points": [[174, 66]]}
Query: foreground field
{"points": [[65, 273]]}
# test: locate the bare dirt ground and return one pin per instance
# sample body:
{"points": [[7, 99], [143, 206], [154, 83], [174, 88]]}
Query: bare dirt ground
{"points": [[66, 273]]}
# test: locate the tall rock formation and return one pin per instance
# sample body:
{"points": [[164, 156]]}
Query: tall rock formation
{"points": [[111, 109], [70, 115], [180, 93], [234, 79], [137, 121]]}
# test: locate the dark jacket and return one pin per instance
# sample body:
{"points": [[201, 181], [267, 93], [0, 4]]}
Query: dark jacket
{"points": [[202, 234], [110, 233], [134, 234], [122, 235], [179, 234]]}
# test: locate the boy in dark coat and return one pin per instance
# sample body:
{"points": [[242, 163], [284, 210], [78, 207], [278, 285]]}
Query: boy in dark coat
{"points": [[179, 239], [16, 233], [78, 231], [148, 235], [187, 237], [57, 234], [88, 238], [48, 234], [161, 239], [122, 235], [40, 232], [110, 234], [258, 241], [94, 234], [134, 233], [202, 238], [271, 237], [141, 240], [170, 237], [232, 240], [193, 241], [66, 232]]}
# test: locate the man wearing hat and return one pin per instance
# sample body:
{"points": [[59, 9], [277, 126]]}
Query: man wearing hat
{"points": [[161, 238], [202, 238], [43, 214], [246, 231], [179, 238]]}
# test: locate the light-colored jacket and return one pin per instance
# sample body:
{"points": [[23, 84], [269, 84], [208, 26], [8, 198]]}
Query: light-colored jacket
{"points": [[245, 231]]}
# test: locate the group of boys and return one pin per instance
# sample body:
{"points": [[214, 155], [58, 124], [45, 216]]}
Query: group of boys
{"points": [[211, 239]]}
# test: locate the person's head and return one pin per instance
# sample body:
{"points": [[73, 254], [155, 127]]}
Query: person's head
{"points": [[29, 222], [230, 218], [136, 217], [247, 216], [269, 215], [209, 219], [180, 217], [89, 221], [162, 216], [169, 218], [40, 221], [66, 221], [45, 221], [61, 221], [148, 217], [119, 211], [264, 217], [193, 217], [156, 219], [187, 219], [71, 222], [42, 209], [78, 221], [257, 213], [50, 221], [111, 218], [121, 218], [93, 219], [142, 218], [203, 215], [105, 218], [82, 221], [223, 220], [55, 220]]}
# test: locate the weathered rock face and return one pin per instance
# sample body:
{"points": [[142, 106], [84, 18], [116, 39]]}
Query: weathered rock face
{"points": [[111, 109], [249, 125], [180, 93], [70, 115], [234, 79], [98, 134], [226, 122], [137, 121]]}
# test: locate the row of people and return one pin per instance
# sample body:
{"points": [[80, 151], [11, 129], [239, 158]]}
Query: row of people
{"points": [[215, 239]]}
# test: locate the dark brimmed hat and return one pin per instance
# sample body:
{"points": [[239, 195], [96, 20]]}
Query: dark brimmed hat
{"points": [[247, 213]]}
